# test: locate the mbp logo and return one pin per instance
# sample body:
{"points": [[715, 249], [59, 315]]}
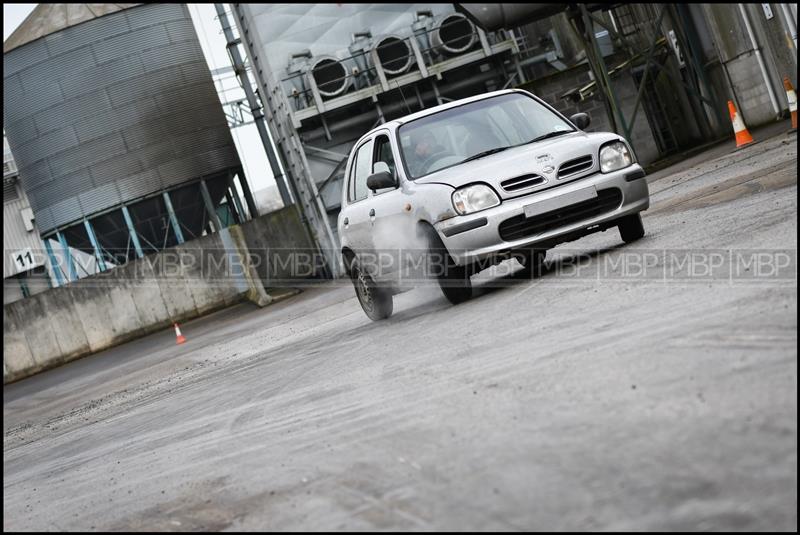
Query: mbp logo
{"points": [[765, 264]]}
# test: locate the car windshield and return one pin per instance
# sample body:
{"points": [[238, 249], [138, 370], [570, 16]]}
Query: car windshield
{"points": [[475, 130]]}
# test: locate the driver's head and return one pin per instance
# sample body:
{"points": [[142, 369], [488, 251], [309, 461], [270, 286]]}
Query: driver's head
{"points": [[424, 145]]}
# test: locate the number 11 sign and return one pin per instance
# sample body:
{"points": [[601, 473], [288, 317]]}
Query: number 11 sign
{"points": [[24, 259]]}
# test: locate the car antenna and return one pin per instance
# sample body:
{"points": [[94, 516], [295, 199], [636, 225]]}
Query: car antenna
{"points": [[408, 109]]}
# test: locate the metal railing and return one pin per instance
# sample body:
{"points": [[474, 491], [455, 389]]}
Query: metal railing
{"points": [[423, 51]]}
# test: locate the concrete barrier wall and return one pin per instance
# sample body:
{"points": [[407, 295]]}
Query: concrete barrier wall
{"points": [[145, 295], [281, 248]]}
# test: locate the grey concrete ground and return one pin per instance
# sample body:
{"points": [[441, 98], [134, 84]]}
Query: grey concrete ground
{"points": [[557, 403]]}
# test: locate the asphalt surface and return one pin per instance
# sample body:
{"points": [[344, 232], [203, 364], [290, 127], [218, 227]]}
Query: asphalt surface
{"points": [[597, 401]]}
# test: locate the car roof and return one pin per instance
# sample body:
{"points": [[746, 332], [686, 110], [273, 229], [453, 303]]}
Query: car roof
{"points": [[436, 109]]}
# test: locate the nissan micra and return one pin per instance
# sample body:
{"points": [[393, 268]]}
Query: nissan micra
{"points": [[474, 182]]}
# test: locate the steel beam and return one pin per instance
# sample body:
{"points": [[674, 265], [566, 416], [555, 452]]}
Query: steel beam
{"points": [[232, 208], [648, 57], [312, 83], [423, 69], [248, 195], [173, 219], [376, 61], [132, 232], [689, 32], [255, 107], [56, 267], [598, 65], [98, 254], [73, 273], [212, 213], [236, 201]]}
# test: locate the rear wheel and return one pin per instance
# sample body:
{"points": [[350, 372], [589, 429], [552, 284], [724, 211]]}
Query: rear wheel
{"points": [[631, 228], [375, 300]]}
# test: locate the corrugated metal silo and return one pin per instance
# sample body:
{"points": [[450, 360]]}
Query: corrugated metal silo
{"points": [[112, 104]]}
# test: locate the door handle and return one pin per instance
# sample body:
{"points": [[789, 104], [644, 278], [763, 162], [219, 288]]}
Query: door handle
{"points": [[372, 213], [346, 221]]}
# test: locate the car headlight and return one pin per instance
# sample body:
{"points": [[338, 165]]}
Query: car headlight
{"points": [[474, 198], [614, 156]]}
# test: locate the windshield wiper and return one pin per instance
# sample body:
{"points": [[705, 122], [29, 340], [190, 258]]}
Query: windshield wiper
{"points": [[549, 135], [484, 153]]}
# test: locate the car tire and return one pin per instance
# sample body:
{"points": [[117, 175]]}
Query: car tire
{"points": [[375, 300], [454, 281], [631, 228], [456, 284], [532, 261]]}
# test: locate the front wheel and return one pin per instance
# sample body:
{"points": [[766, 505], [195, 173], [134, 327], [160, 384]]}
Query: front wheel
{"points": [[456, 284], [631, 228], [375, 300], [454, 280]]}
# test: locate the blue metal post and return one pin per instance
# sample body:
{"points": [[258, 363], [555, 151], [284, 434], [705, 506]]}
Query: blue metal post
{"points": [[92, 238], [73, 273], [53, 262], [173, 218], [132, 231]]}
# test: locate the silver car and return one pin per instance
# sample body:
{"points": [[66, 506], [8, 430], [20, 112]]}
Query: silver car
{"points": [[477, 181]]}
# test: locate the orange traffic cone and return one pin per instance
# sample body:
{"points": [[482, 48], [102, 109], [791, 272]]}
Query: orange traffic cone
{"points": [[180, 337], [791, 96], [743, 137]]}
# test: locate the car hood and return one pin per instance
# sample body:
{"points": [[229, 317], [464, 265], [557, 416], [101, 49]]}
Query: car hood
{"points": [[542, 158]]}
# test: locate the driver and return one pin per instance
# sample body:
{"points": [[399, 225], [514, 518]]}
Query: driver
{"points": [[424, 147]]}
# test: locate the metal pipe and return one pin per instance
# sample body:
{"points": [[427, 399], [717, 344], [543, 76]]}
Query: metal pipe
{"points": [[493, 17], [773, 99]]}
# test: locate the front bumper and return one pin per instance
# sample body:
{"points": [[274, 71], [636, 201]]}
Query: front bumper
{"points": [[477, 240]]}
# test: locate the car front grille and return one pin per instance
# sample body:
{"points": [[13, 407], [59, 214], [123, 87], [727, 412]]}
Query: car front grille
{"points": [[519, 227], [573, 167], [521, 182]]}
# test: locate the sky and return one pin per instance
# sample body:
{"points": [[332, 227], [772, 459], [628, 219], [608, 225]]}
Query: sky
{"points": [[209, 31]]}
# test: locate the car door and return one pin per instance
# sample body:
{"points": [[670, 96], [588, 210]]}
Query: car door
{"points": [[387, 210], [355, 215]]}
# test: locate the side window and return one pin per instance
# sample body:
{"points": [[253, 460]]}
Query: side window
{"points": [[383, 152], [362, 168]]}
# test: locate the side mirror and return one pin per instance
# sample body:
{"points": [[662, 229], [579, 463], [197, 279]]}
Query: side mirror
{"points": [[381, 177], [581, 120], [381, 180]]}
